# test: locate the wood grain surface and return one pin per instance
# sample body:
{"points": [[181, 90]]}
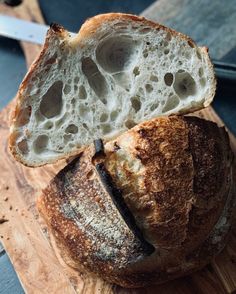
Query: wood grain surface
{"points": [[25, 237]]}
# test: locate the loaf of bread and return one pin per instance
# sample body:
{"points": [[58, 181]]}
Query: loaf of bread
{"points": [[118, 71], [152, 205], [137, 206]]}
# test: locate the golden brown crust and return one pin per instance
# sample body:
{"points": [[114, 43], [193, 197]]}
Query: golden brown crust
{"points": [[85, 223], [177, 179], [212, 162]]}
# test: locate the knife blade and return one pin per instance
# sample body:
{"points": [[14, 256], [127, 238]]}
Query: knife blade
{"points": [[23, 30]]}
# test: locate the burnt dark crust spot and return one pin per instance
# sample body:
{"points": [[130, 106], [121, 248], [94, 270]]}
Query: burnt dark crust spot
{"points": [[56, 28], [118, 200]]}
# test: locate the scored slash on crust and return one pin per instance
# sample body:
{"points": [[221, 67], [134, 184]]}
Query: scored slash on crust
{"points": [[118, 200]]}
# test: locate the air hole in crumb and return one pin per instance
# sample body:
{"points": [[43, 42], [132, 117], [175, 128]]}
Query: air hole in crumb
{"points": [[85, 126], [76, 80], [148, 43], [168, 79], [40, 144], [200, 72], [51, 60], [203, 82], [48, 125], [149, 88], [23, 146], [113, 115], [51, 103], [166, 51], [103, 117], [117, 54], [154, 106], [106, 128], [136, 71], [184, 85], [72, 129], [145, 53], [198, 54], [135, 102], [24, 116], [73, 102], [171, 103], [67, 89], [82, 92], [154, 78], [95, 79], [130, 124], [180, 62]]}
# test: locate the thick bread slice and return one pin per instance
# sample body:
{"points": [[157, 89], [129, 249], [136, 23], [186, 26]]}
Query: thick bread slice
{"points": [[118, 71], [176, 177]]}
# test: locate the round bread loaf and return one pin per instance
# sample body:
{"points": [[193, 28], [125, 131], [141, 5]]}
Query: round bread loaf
{"points": [[150, 206]]}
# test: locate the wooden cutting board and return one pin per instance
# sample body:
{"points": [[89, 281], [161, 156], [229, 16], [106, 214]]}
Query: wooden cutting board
{"points": [[25, 238]]}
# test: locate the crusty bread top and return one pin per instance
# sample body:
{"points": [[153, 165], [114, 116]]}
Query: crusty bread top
{"points": [[179, 169], [118, 71], [175, 175]]}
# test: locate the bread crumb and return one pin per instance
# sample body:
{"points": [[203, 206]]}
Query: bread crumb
{"points": [[5, 199], [7, 188], [10, 207], [8, 238]]}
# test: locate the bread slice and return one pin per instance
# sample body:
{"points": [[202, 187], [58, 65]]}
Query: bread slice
{"points": [[118, 71], [175, 174]]}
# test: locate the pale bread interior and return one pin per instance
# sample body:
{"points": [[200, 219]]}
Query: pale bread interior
{"points": [[106, 81]]}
